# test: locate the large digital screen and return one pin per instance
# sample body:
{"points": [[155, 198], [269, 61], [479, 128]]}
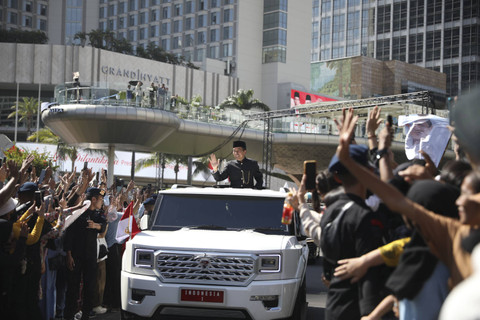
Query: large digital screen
{"points": [[299, 97]]}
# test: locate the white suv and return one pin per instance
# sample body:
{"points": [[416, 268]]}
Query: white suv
{"points": [[216, 253]]}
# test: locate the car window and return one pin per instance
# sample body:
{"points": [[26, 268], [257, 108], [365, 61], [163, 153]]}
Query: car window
{"points": [[178, 211]]}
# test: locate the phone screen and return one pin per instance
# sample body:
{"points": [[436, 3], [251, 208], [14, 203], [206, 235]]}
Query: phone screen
{"points": [[310, 170], [42, 176], [38, 198]]}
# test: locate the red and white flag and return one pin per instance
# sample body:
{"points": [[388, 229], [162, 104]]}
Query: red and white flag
{"points": [[127, 226]]}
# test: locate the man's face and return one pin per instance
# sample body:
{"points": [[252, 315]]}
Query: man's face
{"points": [[421, 130], [97, 202], [239, 153]]}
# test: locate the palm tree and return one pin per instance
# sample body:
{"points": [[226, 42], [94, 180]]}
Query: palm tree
{"points": [[82, 36], [45, 135], [27, 110], [243, 100]]}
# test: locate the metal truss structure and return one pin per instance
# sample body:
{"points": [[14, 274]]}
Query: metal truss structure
{"points": [[423, 98]]}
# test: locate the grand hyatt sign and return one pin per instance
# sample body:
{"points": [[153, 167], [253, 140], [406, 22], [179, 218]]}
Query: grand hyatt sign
{"points": [[134, 75]]}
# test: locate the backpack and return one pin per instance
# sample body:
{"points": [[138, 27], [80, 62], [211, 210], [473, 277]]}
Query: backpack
{"points": [[331, 246]]}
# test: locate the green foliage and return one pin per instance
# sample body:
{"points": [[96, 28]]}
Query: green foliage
{"points": [[22, 36], [106, 40], [41, 159], [27, 110], [45, 135], [243, 100]]}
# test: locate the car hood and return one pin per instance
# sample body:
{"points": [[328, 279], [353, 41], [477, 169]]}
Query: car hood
{"points": [[225, 241]]}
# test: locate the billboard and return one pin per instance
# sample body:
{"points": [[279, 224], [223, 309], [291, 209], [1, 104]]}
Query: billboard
{"points": [[299, 97], [332, 78]]}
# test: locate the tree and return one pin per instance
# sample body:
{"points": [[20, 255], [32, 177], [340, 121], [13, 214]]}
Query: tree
{"points": [[82, 36], [243, 100], [96, 38], [45, 135], [27, 110], [22, 36], [122, 46]]}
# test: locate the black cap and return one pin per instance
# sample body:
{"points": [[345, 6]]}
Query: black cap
{"points": [[240, 144], [149, 201], [28, 187], [93, 192], [357, 152]]}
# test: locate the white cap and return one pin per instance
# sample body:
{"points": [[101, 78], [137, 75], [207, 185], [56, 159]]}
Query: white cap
{"points": [[8, 206]]}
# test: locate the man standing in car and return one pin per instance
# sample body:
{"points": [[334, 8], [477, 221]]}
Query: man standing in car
{"points": [[241, 171]]}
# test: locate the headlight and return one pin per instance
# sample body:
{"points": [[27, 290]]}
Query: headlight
{"points": [[270, 263], [144, 258]]}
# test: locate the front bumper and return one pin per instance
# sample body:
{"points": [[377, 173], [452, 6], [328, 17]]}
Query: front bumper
{"points": [[147, 295]]}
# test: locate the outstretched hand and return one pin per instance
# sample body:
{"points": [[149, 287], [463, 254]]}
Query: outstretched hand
{"points": [[213, 161], [373, 121], [354, 268], [346, 134]]}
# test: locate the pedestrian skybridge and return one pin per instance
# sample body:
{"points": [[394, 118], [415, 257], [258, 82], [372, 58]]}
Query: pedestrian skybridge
{"points": [[87, 119]]}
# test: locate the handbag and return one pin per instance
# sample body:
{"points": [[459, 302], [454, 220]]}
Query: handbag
{"points": [[102, 249]]}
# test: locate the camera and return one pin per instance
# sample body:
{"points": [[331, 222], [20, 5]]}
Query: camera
{"points": [[310, 170]]}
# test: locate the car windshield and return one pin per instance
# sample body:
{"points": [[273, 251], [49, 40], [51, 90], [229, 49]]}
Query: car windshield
{"points": [[219, 213]]}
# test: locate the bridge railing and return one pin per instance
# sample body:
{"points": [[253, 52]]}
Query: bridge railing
{"points": [[306, 120]]}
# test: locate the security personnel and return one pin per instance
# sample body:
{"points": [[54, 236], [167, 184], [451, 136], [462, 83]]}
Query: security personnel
{"points": [[81, 248], [241, 171]]}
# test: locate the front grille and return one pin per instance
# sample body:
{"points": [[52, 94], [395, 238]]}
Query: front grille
{"points": [[195, 268]]}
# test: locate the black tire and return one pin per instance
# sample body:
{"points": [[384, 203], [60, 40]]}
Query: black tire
{"points": [[300, 309], [124, 315]]}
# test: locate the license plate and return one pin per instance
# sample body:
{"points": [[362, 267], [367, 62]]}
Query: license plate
{"points": [[201, 295]]}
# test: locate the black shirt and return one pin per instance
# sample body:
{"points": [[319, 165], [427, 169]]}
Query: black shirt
{"points": [[82, 241], [360, 232], [241, 174]]}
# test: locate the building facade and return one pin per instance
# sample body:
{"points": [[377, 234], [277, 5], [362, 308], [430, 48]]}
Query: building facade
{"points": [[441, 35], [262, 43]]}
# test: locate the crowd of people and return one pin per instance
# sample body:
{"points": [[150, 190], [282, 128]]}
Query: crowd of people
{"points": [[399, 241], [154, 96], [60, 257]]}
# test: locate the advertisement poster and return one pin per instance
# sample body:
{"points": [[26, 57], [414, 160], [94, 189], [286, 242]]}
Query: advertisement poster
{"points": [[299, 97], [332, 78], [122, 165]]}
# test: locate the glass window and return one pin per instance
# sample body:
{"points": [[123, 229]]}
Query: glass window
{"points": [[28, 6], [201, 37], [143, 4], [214, 35], [166, 28], [178, 10], [27, 21], [13, 4], [326, 6], [132, 35], [177, 26], [153, 31], [166, 12], [189, 7], [121, 23], [274, 5], [112, 24], [143, 33], [227, 15], [202, 5], [12, 18], [42, 9], [188, 40], [227, 49], [133, 5], [383, 19], [166, 44], [202, 21], [143, 17], [276, 36], [214, 52], [214, 3], [227, 32], [42, 24], [199, 54], [122, 7], [338, 4], [190, 23], [214, 18], [275, 20], [176, 42], [274, 54], [154, 15], [132, 20], [112, 10]]}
